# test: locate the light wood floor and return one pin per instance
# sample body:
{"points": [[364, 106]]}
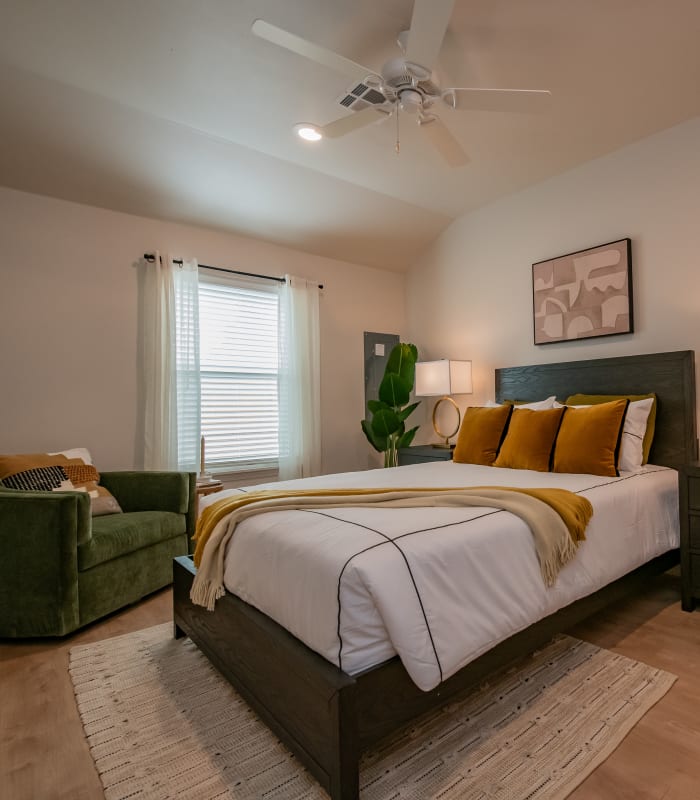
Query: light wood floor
{"points": [[43, 755]]}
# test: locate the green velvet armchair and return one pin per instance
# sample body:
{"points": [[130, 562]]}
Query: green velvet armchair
{"points": [[61, 568]]}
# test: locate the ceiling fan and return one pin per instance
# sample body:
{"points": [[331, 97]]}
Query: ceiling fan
{"points": [[406, 83]]}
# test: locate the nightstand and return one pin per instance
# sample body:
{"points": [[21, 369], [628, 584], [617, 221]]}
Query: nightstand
{"points": [[689, 498], [421, 453], [203, 489]]}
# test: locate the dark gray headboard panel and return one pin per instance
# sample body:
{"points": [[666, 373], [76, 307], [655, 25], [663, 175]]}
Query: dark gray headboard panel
{"points": [[670, 375]]}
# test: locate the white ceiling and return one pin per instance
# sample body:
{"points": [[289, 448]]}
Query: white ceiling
{"points": [[174, 109]]}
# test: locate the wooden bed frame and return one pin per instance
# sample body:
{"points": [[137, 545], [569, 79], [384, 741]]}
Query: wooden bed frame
{"points": [[328, 718]]}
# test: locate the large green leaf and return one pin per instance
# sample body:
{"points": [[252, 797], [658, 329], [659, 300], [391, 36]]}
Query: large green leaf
{"points": [[385, 422], [407, 438], [402, 361], [376, 405], [406, 412], [377, 442], [393, 390]]}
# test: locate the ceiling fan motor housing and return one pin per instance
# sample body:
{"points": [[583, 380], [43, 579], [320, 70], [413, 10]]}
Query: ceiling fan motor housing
{"points": [[399, 73]]}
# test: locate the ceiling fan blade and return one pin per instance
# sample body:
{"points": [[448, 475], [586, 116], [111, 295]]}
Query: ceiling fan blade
{"points": [[444, 142], [428, 25], [313, 52], [354, 121], [527, 101]]}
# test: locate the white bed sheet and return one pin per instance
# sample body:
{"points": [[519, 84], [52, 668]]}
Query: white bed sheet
{"points": [[435, 585]]}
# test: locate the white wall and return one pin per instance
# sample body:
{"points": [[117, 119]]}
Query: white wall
{"points": [[69, 320], [470, 294]]}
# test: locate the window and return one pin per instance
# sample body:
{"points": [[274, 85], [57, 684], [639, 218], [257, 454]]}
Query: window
{"points": [[239, 363]]}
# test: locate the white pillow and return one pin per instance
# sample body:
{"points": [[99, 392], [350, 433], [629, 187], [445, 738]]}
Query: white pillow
{"points": [[76, 452], [633, 430], [631, 449], [539, 405]]}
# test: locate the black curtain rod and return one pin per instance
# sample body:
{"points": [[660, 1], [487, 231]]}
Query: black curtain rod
{"points": [[151, 257]]}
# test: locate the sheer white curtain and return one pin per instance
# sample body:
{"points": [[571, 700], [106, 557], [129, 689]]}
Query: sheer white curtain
{"points": [[299, 385], [171, 365]]}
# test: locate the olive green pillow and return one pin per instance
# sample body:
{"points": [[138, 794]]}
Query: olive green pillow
{"points": [[588, 441], [480, 434], [593, 399], [530, 439]]}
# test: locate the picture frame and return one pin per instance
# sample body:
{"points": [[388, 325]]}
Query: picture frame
{"points": [[583, 295]]}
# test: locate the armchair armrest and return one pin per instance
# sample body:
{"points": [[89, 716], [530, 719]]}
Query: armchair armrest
{"points": [[34, 513], [154, 491], [39, 535]]}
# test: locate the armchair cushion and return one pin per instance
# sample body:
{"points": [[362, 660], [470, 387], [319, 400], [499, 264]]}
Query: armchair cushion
{"points": [[117, 534], [149, 491]]}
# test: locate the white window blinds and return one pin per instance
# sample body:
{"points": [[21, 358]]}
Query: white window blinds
{"points": [[239, 372]]}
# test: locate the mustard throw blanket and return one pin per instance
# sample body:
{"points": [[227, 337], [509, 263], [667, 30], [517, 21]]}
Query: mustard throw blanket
{"points": [[556, 517]]}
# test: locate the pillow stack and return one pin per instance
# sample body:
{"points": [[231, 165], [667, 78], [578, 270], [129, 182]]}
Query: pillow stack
{"points": [[589, 439], [590, 434], [69, 471], [638, 429]]}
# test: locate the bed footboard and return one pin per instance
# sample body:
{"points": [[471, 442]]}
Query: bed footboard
{"points": [[308, 702], [327, 718]]}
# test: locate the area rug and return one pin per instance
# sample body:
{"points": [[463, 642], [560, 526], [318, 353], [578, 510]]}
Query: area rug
{"points": [[161, 723]]}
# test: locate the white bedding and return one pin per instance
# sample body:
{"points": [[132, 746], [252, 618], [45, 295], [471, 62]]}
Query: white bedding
{"points": [[438, 586]]}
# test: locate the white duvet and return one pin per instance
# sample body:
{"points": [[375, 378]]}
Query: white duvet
{"points": [[438, 586]]}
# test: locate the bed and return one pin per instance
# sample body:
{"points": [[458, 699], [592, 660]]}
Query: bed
{"points": [[328, 716]]}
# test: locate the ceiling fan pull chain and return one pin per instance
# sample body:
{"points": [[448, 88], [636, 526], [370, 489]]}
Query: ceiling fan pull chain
{"points": [[398, 144]]}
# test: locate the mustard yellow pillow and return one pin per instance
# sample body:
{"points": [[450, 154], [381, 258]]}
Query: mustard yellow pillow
{"points": [[589, 439], [480, 434], [32, 471], [530, 439], [593, 399]]}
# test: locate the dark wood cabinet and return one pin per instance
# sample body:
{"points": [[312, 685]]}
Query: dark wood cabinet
{"points": [[689, 498], [423, 452]]}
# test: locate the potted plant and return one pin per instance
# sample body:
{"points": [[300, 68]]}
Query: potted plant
{"points": [[386, 429]]}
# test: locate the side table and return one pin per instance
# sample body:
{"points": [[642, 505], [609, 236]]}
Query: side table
{"points": [[203, 489], [689, 499], [421, 453]]}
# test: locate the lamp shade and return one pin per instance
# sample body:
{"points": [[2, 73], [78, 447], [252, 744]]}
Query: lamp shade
{"points": [[443, 377]]}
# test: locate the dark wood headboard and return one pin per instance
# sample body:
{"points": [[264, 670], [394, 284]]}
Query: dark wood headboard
{"points": [[670, 375]]}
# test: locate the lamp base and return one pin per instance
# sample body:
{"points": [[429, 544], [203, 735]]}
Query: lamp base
{"points": [[444, 434], [442, 445]]}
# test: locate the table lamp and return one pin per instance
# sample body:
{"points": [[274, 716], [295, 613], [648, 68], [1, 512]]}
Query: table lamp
{"points": [[443, 378]]}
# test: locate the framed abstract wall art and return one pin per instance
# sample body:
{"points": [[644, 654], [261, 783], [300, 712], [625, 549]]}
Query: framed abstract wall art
{"points": [[583, 295]]}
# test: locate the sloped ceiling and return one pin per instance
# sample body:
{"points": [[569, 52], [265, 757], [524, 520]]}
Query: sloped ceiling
{"points": [[174, 109]]}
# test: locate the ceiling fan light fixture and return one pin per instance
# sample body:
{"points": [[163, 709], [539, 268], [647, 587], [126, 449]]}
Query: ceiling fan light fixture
{"points": [[411, 100], [308, 132]]}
